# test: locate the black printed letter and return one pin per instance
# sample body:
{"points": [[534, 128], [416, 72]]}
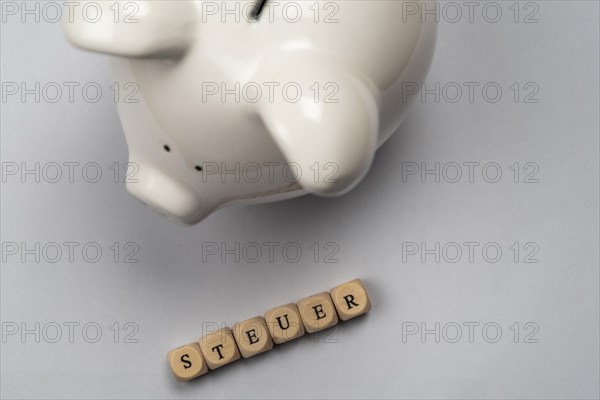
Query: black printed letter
{"points": [[186, 361], [252, 336], [286, 320], [319, 311], [350, 301], [218, 348]]}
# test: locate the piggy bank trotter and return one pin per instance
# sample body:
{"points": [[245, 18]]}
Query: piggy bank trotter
{"points": [[255, 101]]}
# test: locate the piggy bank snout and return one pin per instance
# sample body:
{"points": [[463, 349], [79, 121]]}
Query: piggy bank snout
{"points": [[165, 193]]}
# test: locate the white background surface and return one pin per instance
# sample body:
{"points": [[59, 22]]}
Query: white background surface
{"points": [[170, 293]]}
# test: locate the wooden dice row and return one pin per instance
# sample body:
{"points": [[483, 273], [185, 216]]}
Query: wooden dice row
{"points": [[279, 325]]}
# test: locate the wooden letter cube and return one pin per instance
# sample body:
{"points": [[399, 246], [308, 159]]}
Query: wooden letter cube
{"points": [[350, 299], [187, 362], [318, 312], [252, 336], [284, 323], [219, 348]]}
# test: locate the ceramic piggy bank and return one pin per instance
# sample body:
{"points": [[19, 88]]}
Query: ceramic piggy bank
{"points": [[255, 101]]}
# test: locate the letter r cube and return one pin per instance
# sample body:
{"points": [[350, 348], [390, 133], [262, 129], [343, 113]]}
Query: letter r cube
{"points": [[350, 299]]}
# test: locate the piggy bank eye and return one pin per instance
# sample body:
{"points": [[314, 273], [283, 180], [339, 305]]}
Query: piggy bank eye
{"points": [[258, 8]]}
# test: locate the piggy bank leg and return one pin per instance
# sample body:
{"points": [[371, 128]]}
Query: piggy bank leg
{"points": [[326, 124], [140, 29]]}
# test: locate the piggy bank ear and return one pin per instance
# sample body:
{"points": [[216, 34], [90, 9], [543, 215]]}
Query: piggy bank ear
{"points": [[325, 123], [154, 28]]}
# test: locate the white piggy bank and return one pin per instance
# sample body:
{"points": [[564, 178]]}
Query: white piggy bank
{"points": [[255, 101]]}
